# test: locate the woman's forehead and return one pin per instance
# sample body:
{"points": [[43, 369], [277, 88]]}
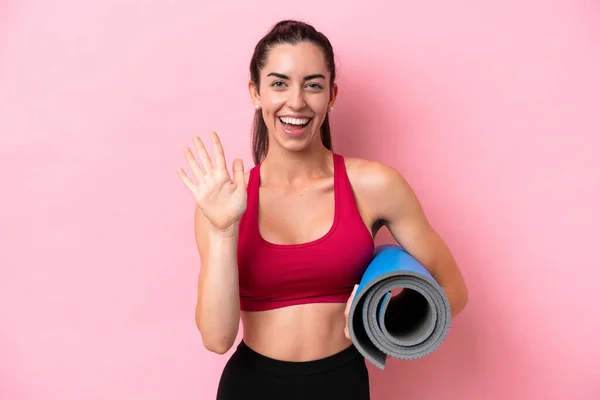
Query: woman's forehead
{"points": [[301, 59]]}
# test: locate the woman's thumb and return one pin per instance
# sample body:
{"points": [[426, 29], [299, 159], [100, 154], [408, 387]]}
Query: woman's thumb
{"points": [[238, 172]]}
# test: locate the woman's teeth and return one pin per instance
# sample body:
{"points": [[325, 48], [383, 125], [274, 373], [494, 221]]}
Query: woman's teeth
{"points": [[294, 121]]}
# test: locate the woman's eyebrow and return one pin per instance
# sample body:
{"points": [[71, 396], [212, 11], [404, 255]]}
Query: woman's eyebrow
{"points": [[306, 78]]}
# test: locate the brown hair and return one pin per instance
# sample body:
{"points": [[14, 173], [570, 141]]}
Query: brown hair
{"points": [[286, 32]]}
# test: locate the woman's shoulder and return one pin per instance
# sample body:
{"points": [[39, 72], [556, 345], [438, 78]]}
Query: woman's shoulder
{"points": [[381, 190], [372, 176]]}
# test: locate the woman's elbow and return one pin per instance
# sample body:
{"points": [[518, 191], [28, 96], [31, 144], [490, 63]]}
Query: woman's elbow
{"points": [[461, 301], [218, 346], [216, 342]]}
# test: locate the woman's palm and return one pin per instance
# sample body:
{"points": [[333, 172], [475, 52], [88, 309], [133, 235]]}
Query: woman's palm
{"points": [[221, 199]]}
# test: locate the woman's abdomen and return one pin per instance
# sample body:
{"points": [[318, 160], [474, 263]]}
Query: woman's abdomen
{"points": [[297, 333]]}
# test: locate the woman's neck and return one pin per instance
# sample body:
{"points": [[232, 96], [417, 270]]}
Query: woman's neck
{"points": [[282, 166]]}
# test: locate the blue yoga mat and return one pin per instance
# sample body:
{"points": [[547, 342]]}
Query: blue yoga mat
{"points": [[409, 325]]}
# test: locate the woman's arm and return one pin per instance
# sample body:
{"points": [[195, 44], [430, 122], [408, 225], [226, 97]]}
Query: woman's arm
{"points": [[220, 202], [218, 304], [394, 203]]}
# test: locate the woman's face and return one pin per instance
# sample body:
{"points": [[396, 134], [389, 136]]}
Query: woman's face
{"points": [[294, 94]]}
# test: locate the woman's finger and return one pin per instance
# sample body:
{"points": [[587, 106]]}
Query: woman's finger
{"points": [[186, 181], [202, 154], [349, 302], [347, 311], [189, 156], [238, 172], [220, 161]]}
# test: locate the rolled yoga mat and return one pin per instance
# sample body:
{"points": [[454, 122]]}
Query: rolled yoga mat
{"points": [[406, 326]]}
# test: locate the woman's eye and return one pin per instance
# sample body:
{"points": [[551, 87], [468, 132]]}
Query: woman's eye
{"points": [[280, 84]]}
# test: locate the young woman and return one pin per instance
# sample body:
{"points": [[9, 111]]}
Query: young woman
{"points": [[283, 245]]}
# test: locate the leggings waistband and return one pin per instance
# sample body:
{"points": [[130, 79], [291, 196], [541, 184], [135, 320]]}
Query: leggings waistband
{"points": [[298, 367]]}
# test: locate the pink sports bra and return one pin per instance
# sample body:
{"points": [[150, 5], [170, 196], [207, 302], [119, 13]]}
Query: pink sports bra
{"points": [[323, 270]]}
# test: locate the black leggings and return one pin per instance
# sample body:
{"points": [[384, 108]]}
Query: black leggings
{"points": [[249, 375]]}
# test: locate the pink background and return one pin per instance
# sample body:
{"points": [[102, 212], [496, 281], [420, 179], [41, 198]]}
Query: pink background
{"points": [[490, 109]]}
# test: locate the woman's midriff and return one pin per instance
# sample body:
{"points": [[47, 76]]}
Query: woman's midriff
{"points": [[297, 333]]}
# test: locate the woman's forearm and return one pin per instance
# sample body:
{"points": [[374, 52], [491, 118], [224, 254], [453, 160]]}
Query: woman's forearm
{"points": [[218, 308]]}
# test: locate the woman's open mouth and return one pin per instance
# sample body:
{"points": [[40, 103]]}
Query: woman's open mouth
{"points": [[294, 126]]}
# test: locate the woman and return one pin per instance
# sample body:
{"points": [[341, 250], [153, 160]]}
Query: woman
{"points": [[283, 246]]}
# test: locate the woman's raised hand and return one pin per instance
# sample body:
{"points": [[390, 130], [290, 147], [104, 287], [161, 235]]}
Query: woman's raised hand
{"points": [[221, 199]]}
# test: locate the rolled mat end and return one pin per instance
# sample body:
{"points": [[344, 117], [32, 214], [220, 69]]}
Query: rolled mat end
{"points": [[406, 326]]}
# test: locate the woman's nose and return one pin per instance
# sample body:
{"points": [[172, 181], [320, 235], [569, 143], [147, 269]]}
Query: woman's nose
{"points": [[296, 99]]}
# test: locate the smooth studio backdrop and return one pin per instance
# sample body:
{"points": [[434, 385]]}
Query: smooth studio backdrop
{"points": [[490, 109]]}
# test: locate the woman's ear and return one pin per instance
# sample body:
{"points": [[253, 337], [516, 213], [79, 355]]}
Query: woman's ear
{"points": [[254, 95], [334, 92]]}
